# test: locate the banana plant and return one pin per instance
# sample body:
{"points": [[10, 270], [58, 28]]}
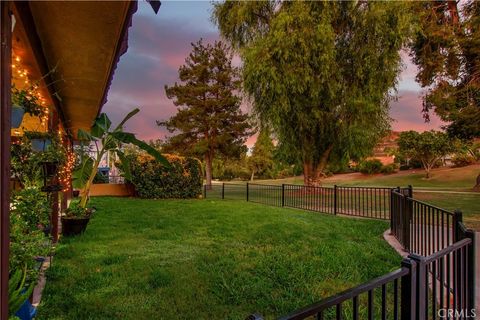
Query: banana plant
{"points": [[107, 140]]}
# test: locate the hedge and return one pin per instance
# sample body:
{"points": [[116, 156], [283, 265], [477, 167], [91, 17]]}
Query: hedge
{"points": [[152, 180]]}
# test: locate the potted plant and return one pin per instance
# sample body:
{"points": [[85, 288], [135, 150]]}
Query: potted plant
{"points": [[24, 101], [75, 220], [105, 140], [40, 140]]}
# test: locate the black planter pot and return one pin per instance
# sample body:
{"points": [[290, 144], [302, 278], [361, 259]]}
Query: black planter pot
{"points": [[49, 169], [74, 226]]}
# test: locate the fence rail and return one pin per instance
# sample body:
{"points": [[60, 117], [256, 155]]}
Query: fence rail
{"points": [[438, 274], [368, 202]]}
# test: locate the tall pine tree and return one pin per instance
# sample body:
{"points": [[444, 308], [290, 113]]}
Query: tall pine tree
{"points": [[209, 120]]}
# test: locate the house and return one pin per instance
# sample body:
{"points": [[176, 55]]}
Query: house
{"points": [[73, 48]]}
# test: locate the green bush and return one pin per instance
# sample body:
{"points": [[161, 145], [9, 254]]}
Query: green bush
{"points": [[370, 166], [389, 168], [152, 180], [30, 212], [462, 160], [100, 178]]}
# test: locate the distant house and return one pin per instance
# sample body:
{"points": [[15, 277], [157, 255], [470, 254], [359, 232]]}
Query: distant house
{"points": [[383, 150]]}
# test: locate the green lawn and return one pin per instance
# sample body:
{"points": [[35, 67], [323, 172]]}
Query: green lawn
{"points": [[204, 259], [469, 204]]}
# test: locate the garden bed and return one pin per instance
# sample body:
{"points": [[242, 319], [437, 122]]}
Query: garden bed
{"points": [[148, 259]]}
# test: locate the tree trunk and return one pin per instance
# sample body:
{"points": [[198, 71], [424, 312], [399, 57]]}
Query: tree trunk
{"points": [[312, 174], [208, 170], [253, 174], [477, 185]]}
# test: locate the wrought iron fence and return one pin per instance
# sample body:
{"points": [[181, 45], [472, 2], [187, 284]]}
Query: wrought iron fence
{"points": [[369, 202], [438, 275]]}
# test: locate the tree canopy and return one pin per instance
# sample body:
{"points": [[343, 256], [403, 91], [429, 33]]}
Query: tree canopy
{"points": [[209, 119], [446, 49], [428, 147], [320, 74]]}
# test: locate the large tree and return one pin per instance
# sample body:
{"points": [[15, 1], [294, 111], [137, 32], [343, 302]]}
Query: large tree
{"points": [[446, 50], [320, 73], [209, 120], [428, 147]]}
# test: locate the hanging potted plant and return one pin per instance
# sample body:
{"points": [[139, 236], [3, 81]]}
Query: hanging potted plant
{"points": [[49, 160], [24, 101], [106, 140], [40, 141]]}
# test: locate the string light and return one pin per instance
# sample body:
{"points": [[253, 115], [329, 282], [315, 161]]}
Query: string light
{"points": [[32, 89], [65, 172]]}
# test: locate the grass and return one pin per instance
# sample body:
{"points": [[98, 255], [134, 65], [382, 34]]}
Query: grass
{"points": [[204, 259], [445, 178], [469, 204]]}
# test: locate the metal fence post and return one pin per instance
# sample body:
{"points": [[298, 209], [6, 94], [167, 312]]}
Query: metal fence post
{"points": [[283, 195], [405, 216], [223, 190], [410, 191], [247, 191], [408, 289], [421, 287], [457, 218], [205, 191], [391, 210], [471, 270], [335, 199]]}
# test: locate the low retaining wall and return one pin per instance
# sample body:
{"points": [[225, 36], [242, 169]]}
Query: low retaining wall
{"points": [[111, 189]]}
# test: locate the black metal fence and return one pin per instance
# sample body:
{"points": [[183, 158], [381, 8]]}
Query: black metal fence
{"points": [[437, 279], [368, 202], [422, 228]]}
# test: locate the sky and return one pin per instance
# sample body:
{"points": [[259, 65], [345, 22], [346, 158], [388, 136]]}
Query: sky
{"points": [[158, 45]]}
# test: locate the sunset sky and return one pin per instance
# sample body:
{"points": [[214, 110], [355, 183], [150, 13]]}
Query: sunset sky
{"points": [[158, 45]]}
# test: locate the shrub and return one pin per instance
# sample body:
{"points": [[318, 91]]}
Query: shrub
{"points": [[152, 180], [389, 168], [462, 160], [30, 212], [100, 178], [370, 166]]}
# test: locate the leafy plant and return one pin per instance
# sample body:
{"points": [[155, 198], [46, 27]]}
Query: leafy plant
{"points": [[370, 166], [27, 100], [108, 140], [100, 178], [389, 168], [38, 135], [26, 244], [76, 211], [24, 165], [32, 206], [182, 179], [54, 153], [462, 160], [17, 291]]}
